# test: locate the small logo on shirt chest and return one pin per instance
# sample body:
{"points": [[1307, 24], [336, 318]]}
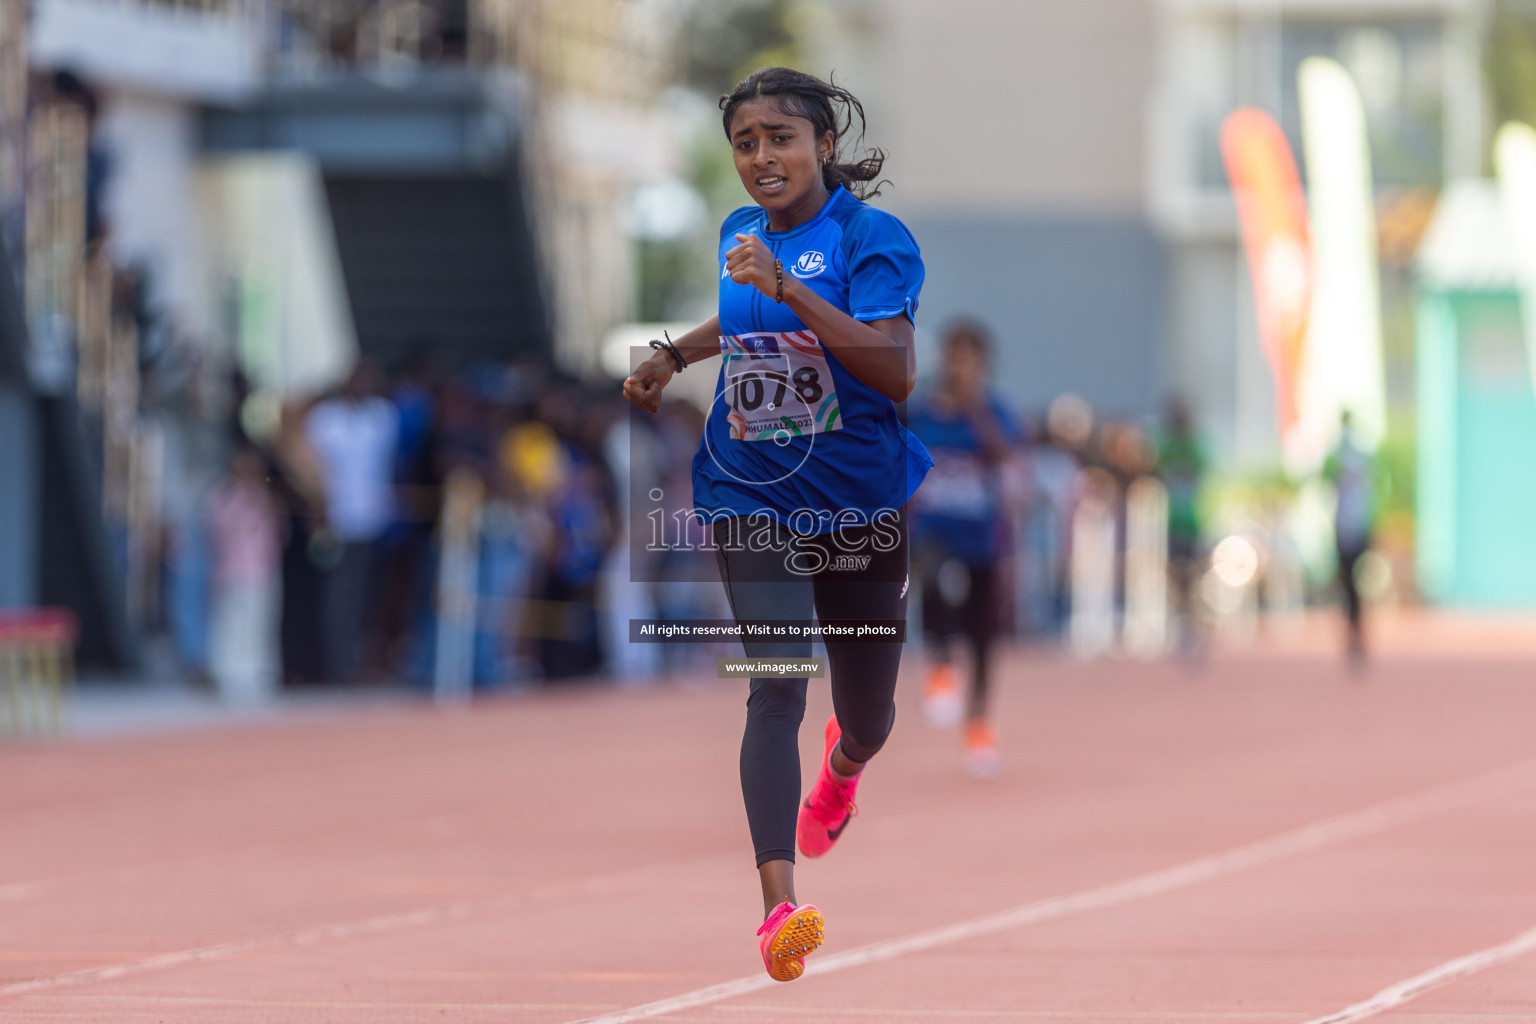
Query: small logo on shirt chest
{"points": [[809, 264]]}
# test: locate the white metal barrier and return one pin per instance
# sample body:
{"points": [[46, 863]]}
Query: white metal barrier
{"points": [[1145, 633], [1092, 629]]}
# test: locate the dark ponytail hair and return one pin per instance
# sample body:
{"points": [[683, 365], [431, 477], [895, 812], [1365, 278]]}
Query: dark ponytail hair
{"points": [[829, 108]]}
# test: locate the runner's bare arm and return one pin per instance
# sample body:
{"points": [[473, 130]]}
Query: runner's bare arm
{"points": [[643, 386], [700, 343], [878, 352]]}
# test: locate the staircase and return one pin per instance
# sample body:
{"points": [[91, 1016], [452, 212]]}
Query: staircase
{"points": [[444, 263]]}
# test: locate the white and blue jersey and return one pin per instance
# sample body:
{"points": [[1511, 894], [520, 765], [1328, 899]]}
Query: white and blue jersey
{"points": [[960, 507], [792, 433]]}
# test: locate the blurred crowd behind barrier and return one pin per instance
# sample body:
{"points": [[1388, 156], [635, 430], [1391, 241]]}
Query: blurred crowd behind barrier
{"points": [[311, 334]]}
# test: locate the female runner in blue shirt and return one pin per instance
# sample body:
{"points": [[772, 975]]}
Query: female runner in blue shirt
{"points": [[805, 469]]}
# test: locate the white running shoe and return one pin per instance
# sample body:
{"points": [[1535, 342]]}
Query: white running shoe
{"points": [[983, 757], [941, 697]]}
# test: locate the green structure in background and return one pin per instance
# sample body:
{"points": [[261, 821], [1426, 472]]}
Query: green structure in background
{"points": [[1476, 540]]}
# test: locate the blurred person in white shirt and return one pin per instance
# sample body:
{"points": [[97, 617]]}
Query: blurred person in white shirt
{"points": [[354, 434]]}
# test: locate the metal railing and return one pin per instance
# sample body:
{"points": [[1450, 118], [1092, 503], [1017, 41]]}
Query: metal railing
{"points": [[225, 8]]}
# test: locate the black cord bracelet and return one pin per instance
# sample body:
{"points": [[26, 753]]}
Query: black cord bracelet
{"points": [[671, 350], [682, 364]]}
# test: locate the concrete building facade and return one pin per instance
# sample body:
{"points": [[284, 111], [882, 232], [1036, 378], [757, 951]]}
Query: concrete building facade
{"points": [[1060, 165]]}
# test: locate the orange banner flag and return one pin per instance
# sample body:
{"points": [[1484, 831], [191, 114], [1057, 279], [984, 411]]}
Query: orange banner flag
{"points": [[1273, 210]]}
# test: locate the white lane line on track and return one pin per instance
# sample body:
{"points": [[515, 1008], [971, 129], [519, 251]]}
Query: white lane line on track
{"points": [[1308, 838], [1451, 970], [441, 914], [1449, 796], [204, 954]]}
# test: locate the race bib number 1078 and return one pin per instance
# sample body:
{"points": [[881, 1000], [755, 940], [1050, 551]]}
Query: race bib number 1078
{"points": [[778, 386]]}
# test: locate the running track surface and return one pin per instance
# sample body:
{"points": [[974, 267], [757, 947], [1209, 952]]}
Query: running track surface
{"points": [[1269, 840]]}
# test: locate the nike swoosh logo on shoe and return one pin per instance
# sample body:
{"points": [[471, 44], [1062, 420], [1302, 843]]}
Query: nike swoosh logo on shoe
{"points": [[833, 833]]}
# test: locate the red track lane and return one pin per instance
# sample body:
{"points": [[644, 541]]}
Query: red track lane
{"points": [[570, 855]]}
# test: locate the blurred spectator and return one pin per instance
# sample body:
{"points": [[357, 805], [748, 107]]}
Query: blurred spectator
{"points": [[1054, 463], [353, 488], [514, 535], [415, 398], [245, 527], [531, 468], [406, 556], [196, 452], [689, 579], [299, 484], [464, 437], [582, 527], [635, 459], [354, 433], [1126, 455], [1350, 469], [1181, 466]]}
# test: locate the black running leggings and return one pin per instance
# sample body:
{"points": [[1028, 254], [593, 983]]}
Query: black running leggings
{"points": [[761, 583], [1349, 559], [971, 613]]}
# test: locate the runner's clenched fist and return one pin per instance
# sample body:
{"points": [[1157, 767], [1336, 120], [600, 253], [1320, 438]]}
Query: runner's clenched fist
{"points": [[752, 263], [643, 386]]}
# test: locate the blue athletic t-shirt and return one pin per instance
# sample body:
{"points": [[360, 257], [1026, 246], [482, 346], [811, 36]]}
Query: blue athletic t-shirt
{"points": [[959, 506], [792, 433]]}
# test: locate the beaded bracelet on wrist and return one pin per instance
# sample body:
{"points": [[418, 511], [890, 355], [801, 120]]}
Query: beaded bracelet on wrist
{"points": [[671, 350]]}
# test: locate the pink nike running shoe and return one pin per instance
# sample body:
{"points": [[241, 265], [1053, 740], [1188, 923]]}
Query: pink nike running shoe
{"points": [[829, 807], [788, 936]]}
